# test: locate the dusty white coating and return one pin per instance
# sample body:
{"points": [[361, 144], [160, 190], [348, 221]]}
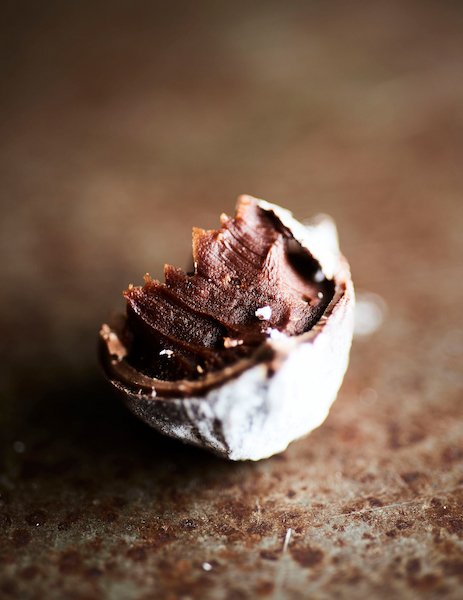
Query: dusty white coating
{"points": [[258, 414], [319, 236]]}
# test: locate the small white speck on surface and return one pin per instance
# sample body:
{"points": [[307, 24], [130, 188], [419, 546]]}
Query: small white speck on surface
{"points": [[153, 393], [19, 447], [320, 295], [319, 276], [167, 353], [199, 369], [231, 343], [288, 535], [206, 566], [274, 334], [264, 313]]}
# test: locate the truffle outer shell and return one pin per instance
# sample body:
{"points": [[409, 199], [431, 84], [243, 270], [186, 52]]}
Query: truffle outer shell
{"points": [[266, 407]]}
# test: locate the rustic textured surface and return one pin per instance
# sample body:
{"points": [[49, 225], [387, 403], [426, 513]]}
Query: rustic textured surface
{"points": [[120, 129]]}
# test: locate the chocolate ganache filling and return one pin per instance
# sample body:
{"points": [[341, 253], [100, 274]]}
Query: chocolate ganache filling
{"points": [[252, 281]]}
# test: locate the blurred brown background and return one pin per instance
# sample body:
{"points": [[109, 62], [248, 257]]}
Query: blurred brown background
{"points": [[122, 126]]}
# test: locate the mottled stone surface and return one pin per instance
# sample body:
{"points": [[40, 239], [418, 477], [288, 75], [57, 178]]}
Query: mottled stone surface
{"points": [[123, 127]]}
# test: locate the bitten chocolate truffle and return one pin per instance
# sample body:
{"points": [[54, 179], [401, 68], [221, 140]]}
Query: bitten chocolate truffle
{"points": [[246, 352]]}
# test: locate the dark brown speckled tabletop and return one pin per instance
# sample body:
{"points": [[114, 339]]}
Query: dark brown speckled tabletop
{"points": [[122, 126]]}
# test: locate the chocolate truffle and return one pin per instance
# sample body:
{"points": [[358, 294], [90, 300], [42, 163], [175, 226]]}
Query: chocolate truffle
{"points": [[247, 352]]}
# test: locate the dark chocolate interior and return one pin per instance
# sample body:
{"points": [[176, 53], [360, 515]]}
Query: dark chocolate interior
{"points": [[251, 279]]}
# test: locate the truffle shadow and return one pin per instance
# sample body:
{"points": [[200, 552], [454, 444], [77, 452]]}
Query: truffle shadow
{"points": [[79, 438]]}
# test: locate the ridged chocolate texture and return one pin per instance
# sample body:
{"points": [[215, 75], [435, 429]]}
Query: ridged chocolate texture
{"points": [[251, 278]]}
